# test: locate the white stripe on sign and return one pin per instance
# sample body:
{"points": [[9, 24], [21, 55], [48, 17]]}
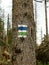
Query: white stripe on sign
{"points": [[22, 36], [22, 31], [22, 25]]}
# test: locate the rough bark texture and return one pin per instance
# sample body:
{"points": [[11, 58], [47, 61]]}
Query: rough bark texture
{"points": [[22, 13]]}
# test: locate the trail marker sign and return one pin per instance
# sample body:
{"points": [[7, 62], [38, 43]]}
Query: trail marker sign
{"points": [[22, 31]]}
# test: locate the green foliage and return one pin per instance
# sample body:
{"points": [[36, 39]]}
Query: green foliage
{"points": [[42, 54], [39, 63]]}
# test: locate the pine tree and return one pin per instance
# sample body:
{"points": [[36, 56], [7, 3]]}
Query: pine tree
{"points": [[9, 31], [1, 27], [1, 31]]}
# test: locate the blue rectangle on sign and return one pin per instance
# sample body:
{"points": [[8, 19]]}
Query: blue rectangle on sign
{"points": [[22, 28]]}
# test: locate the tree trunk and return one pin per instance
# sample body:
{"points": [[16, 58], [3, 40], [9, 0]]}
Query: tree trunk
{"points": [[23, 42]]}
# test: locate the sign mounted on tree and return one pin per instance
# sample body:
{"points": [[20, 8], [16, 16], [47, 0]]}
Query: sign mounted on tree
{"points": [[22, 31]]}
